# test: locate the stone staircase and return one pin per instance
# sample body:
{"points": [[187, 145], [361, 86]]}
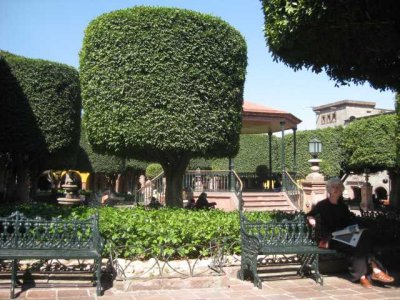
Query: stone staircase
{"points": [[267, 201]]}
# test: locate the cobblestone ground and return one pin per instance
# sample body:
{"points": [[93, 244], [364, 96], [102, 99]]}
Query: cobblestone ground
{"points": [[335, 287]]}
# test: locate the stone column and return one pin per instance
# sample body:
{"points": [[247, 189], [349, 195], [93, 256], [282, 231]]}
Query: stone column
{"points": [[283, 166], [313, 186], [366, 194]]}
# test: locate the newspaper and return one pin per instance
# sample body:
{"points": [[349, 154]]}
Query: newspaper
{"points": [[349, 235]]}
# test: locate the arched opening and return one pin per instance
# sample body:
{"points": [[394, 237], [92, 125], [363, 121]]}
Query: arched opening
{"points": [[356, 193], [44, 182], [381, 193]]}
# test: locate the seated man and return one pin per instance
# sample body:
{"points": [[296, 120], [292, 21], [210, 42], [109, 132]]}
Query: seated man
{"points": [[335, 215], [202, 202], [105, 197]]}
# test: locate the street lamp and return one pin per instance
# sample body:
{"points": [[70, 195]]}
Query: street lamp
{"points": [[315, 147]]}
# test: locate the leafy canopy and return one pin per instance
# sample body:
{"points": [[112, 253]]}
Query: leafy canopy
{"points": [[162, 80], [41, 107], [352, 41], [369, 143], [90, 161]]}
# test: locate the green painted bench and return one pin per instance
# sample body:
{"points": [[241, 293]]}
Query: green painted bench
{"points": [[291, 235], [37, 238], [384, 228]]}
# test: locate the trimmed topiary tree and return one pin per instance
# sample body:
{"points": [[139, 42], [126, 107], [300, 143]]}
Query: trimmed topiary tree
{"points": [[163, 85], [369, 143], [153, 170], [352, 41], [40, 116], [90, 161]]}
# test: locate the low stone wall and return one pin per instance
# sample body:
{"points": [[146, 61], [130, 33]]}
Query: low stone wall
{"points": [[153, 268]]}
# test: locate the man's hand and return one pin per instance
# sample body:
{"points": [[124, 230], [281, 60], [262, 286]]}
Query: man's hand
{"points": [[311, 221]]}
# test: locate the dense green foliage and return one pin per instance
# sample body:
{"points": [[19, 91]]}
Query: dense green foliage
{"points": [[163, 85], [352, 41], [369, 143], [331, 155], [135, 165], [147, 233], [254, 153], [152, 170], [90, 161], [41, 107]]}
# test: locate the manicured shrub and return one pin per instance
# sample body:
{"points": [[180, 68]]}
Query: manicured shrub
{"points": [[152, 170], [41, 110], [141, 233], [164, 85]]}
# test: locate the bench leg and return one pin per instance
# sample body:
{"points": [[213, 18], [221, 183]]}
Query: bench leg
{"points": [[311, 261], [98, 277], [13, 278], [318, 276], [253, 268], [305, 260], [249, 265]]}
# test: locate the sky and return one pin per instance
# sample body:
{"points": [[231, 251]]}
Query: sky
{"points": [[54, 30]]}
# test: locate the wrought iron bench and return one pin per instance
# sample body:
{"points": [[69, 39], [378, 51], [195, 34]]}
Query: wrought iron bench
{"points": [[384, 228], [291, 235], [37, 238]]}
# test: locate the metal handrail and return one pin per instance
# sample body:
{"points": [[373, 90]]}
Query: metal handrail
{"points": [[193, 181], [152, 188], [239, 190], [294, 191]]}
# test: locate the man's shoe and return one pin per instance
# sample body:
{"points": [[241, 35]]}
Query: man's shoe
{"points": [[365, 283], [382, 277]]}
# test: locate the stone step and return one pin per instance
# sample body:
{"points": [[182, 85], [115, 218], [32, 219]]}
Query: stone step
{"points": [[267, 201], [270, 208]]}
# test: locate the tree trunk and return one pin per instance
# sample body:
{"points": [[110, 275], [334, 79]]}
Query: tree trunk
{"points": [[111, 182], [34, 180], [22, 188], [394, 176], [174, 170]]}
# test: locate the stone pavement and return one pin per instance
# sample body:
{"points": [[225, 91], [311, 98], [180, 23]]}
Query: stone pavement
{"points": [[335, 287]]}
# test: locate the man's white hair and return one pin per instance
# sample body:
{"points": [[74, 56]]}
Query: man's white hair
{"points": [[333, 182]]}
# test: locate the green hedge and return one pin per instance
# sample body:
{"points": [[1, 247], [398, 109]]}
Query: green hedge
{"points": [[41, 110], [162, 82], [254, 153], [142, 233], [371, 143], [90, 161]]}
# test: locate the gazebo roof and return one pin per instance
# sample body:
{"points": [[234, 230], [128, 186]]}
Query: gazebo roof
{"points": [[257, 118]]}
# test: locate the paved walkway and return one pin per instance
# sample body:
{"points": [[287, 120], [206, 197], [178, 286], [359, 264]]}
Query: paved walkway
{"points": [[335, 287]]}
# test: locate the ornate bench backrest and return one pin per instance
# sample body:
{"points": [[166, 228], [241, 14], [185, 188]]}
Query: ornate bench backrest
{"points": [[285, 232], [18, 231], [384, 226]]}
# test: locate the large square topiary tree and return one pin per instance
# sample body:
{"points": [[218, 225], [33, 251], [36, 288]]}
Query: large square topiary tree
{"points": [[163, 85]]}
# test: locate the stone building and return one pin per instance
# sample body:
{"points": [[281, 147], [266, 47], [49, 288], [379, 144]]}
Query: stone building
{"points": [[344, 111], [341, 113]]}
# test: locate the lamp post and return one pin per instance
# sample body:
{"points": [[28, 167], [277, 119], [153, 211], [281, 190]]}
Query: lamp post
{"points": [[314, 184], [366, 193], [315, 148]]}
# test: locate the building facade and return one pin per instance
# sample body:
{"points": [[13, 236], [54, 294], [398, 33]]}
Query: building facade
{"points": [[341, 113]]}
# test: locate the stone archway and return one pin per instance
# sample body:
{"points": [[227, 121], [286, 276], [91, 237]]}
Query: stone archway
{"points": [[381, 193]]}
